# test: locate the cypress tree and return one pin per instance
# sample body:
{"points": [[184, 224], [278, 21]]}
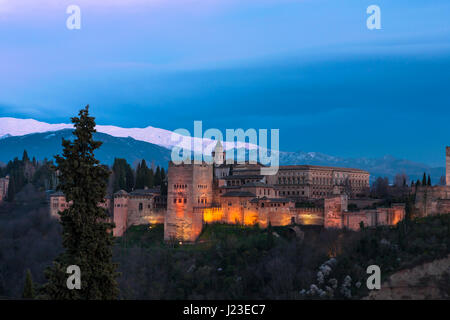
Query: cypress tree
{"points": [[158, 176], [149, 178], [418, 182], [120, 174], [25, 157], [86, 236], [28, 288], [129, 177], [429, 180], [138, 181], [424, 179]]}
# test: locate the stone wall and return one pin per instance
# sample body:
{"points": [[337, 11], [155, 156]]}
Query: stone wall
{"points": [[4, 184], [432, 200], [333, 209], [372, 218], [120, 216], [309, 216], [189, 186]]}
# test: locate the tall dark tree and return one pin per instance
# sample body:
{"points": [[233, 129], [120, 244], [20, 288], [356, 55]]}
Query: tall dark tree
{"points": [[424, 179], [144, 176], [381, 187], [429, 181], [25, 157], [123, 175], [28, 288], [86, 236], [158, 180], [129, 177]]}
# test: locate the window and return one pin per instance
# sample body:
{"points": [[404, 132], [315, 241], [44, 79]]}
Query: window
{"points": [[140, 206]]}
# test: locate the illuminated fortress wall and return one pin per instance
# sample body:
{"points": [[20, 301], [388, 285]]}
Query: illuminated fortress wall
{"points": [[189, 187], [239, 194], [432, 200]]}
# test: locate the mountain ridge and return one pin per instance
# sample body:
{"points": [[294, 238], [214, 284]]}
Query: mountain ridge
{"points": [[46, 144]]}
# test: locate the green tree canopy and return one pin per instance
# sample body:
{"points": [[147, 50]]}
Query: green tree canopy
{"points": [[86, 234]]}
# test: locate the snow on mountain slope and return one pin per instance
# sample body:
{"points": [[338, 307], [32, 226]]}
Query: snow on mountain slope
{"points": [[161, 137]]}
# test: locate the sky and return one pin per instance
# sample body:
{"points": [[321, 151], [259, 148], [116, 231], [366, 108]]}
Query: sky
{"points": [[310, 68]]}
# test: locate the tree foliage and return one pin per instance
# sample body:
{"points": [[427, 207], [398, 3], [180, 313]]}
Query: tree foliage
{"points": [[123, 175], [28, 289], [86, 237]]}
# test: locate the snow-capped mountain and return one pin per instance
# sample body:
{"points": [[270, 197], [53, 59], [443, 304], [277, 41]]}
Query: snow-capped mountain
{"points": [[42, 139], [46, 145], [157, 136]]}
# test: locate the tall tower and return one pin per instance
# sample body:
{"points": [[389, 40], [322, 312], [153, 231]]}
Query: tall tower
{"points": [[189, 189], [447, 165], [218, 154]]}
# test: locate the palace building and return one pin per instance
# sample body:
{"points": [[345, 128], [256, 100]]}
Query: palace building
{"points": [[239, 194]]}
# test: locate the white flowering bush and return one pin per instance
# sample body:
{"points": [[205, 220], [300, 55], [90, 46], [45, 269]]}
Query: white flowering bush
{"points": [[326, 286]]}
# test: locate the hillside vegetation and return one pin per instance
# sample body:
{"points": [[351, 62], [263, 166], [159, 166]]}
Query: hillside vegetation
{"points": [[228, 262]]}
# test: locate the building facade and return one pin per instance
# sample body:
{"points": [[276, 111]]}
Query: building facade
{"points": [[143, 206], [238, 194], [432, 200], [4, 184]]}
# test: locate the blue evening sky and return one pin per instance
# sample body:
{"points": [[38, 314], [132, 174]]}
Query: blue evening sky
{"points": [[308, 67]]}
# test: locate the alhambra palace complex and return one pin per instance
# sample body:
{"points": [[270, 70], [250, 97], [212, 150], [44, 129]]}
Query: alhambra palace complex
{"points": [[239, 194]]}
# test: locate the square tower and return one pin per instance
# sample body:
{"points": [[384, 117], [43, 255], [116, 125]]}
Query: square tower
{"points": [[447, 165], [189, 190]]}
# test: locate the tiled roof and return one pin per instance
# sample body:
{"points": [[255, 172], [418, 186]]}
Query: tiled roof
{"points": [[238, 194], [57, 194], [139, 192], [242, 177], [271, 199], [256, 184]]}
